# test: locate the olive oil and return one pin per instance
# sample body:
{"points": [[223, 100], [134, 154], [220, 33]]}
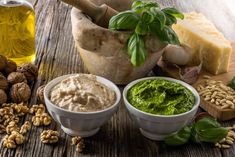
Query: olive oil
{"points": [[17, 31]]}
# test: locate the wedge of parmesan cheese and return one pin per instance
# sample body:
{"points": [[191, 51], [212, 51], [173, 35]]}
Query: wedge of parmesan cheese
{"points": [[207, 43]]}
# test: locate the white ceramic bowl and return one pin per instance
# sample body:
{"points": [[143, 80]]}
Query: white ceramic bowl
{"points": [[82, 124], [157, 127]]}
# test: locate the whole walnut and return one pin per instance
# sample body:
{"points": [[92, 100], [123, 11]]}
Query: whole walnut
{"points": [[16, 77], [29, 70], [3, 82], [10, 67], [39, 93], [3, 96], [20, 92], [3, 62]]}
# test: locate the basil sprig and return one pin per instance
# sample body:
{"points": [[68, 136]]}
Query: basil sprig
{"points": [[205, 130], [146, 18]]}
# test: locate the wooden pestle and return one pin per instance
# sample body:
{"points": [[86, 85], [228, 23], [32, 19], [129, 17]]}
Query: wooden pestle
{"points": [[100, 14]]}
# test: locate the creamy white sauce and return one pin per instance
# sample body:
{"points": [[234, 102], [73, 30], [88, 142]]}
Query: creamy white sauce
{"points": [[82, 93]]}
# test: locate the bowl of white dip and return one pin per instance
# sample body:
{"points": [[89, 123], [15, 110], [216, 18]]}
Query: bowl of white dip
{"points": [[81, 103]]}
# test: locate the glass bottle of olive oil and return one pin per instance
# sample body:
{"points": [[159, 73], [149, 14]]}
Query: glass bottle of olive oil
{"points": [[17, 30]]}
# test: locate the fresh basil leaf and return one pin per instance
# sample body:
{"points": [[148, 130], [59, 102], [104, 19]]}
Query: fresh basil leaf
{"points": [[136, 49], [194, 136], [179, 138], [232, 83], [145, 6], [124, 20], [159, 15], [212, 135], [151, 4], [141, 28], [208, 130], [170, 20], [173, 12], [136, 4], [147, 17], [166, 34], [205, 123]]}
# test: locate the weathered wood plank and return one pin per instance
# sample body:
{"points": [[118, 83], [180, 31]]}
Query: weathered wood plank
{"points": [[56, 55]]}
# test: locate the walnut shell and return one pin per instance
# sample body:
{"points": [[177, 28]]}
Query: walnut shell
{"points": [[16, 77], [10, 67], [3, 82], [39, 94], [20, 92], [3, 62], [29, 70], [3, 96]]}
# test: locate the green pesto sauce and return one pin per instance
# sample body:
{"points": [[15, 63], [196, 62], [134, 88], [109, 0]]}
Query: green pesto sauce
{"points": [[161, 97]]}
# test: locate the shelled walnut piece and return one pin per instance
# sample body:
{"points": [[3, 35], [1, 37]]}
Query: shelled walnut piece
{"points": [[12, 126], [41, 119], [228, 140], [9, 114], [79, 143], [49, 136], [218, 94], [12, 140], [9, 120], [20, 109], [37, 109], [25, 128]]}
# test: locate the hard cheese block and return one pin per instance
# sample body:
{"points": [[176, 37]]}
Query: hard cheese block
{"points": [[207, 43]]}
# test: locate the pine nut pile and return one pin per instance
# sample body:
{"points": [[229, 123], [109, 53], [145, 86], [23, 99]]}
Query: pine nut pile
{"points": [[228, 140], [218, 94]]}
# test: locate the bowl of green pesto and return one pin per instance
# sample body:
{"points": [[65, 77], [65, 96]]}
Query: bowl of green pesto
{"points": [[160, 106]]}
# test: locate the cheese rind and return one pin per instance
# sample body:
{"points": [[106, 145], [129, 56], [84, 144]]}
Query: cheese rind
{"points": [[207, 43]]}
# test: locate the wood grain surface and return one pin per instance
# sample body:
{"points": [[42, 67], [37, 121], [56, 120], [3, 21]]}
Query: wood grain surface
{"points": [[56, 55]]}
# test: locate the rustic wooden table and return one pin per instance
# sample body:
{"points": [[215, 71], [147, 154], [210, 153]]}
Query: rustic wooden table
{"points": [[56, 55]]}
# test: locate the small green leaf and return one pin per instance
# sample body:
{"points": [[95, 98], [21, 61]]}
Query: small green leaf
{"points": [[141, 28], [124, 20], [145, 6], [151, 4], [179, 138], [166, 34], [173, 12], [147, 17], [232, 83], [159, 15], [136, 49], [136, 4], [170, 20]]}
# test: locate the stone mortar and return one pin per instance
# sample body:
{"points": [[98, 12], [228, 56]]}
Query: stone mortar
{"points": [[104, 51]]}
